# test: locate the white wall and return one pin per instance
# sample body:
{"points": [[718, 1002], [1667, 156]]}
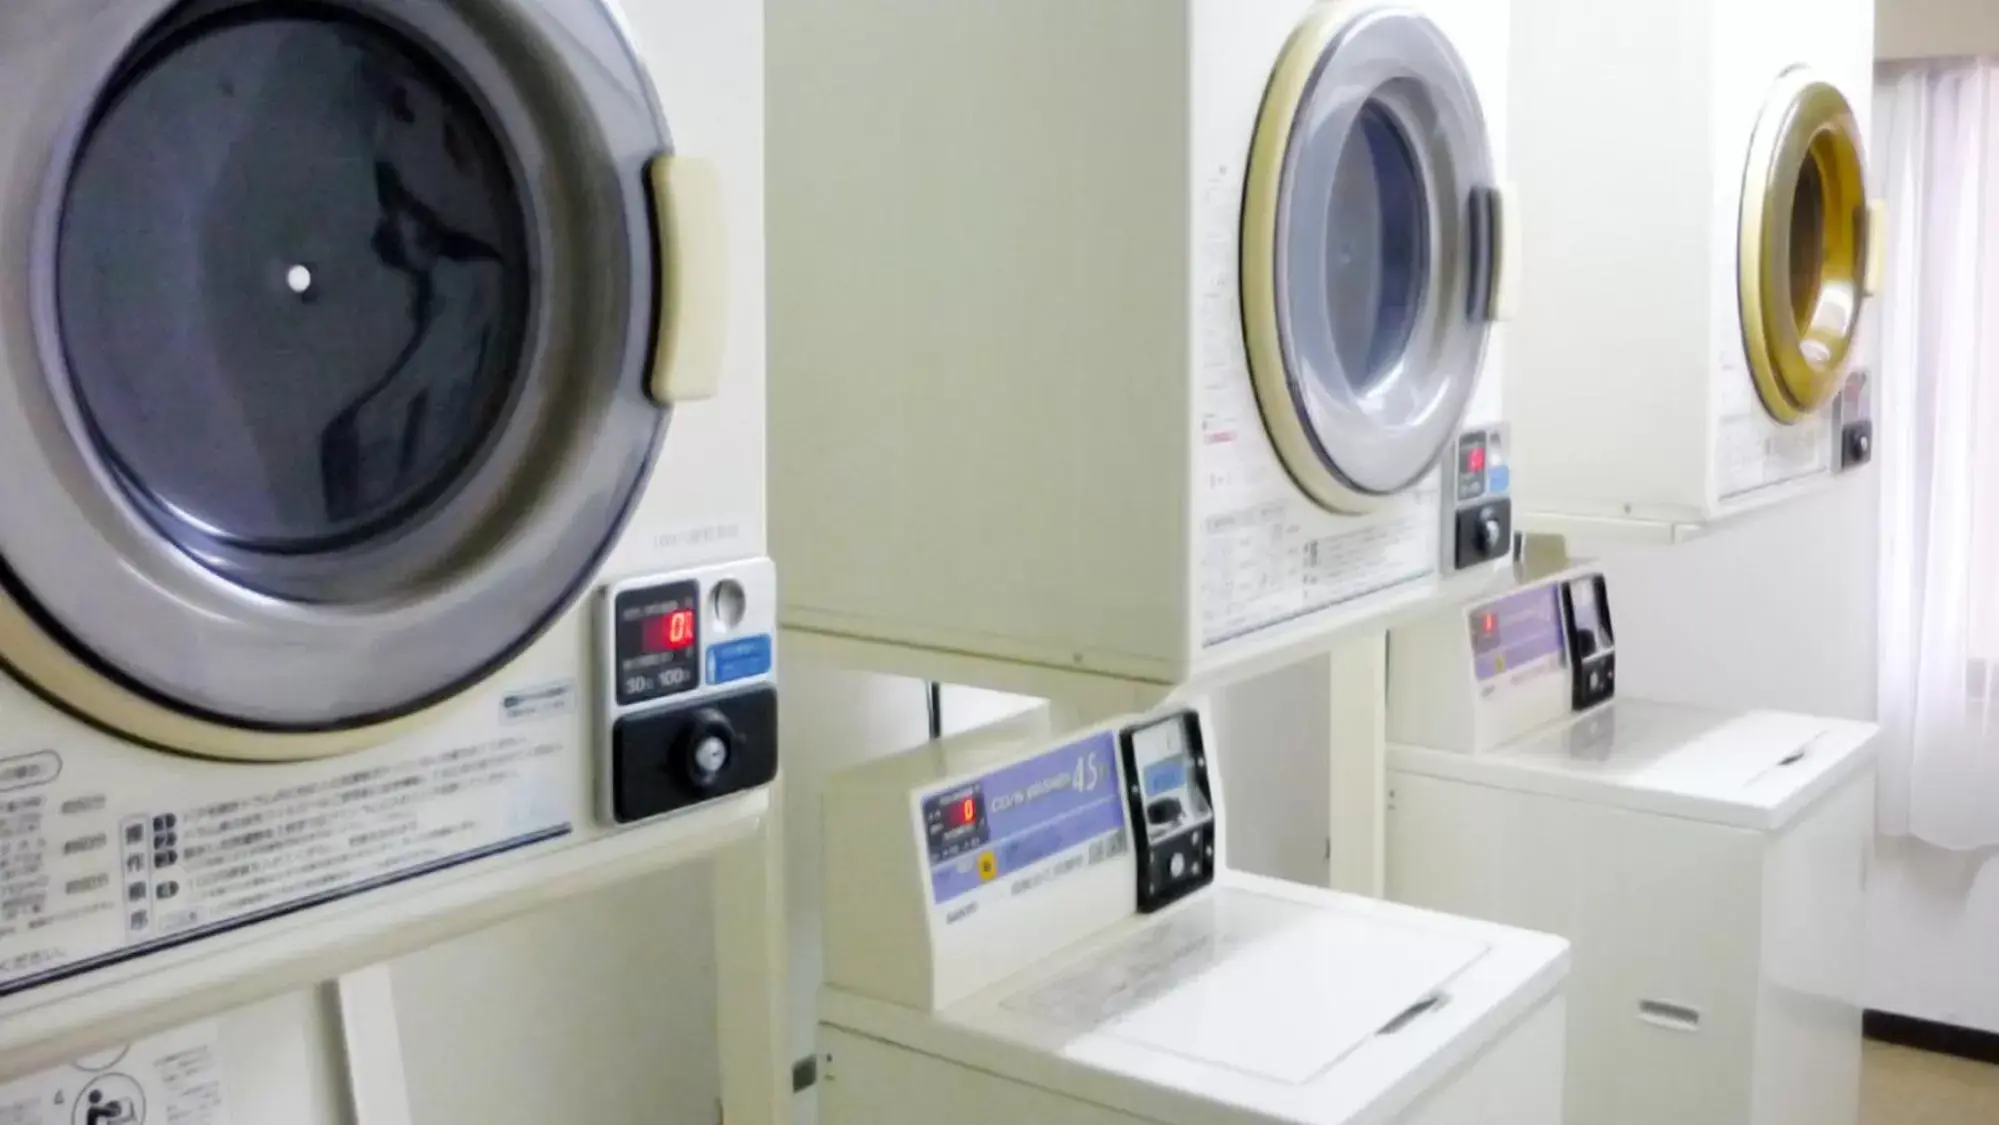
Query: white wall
{"points": [[1778, 612], [282, 1062], [600, 1010], [1907, 29], [1934, 935]]}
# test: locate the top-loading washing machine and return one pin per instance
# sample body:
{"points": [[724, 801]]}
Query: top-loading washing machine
{"points": [[1026, 925], [382, 537], [1710, 866], [1134, 342], [1693, 301]]}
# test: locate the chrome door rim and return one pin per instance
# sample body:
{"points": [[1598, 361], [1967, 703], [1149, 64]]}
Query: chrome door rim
{"points": [[141, 626], [1352, 451]]}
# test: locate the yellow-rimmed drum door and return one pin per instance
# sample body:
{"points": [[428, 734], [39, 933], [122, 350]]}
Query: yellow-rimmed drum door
{"points": [[1805, 247]]}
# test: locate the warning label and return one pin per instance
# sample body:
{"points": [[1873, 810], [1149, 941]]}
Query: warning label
{"points": [[171, 1079], [1263, 565], [1753, 452], [89, 876]]}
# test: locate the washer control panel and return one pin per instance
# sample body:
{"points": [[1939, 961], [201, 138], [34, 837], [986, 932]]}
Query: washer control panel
{"points": [[689, 693], [1592, 647], [1478, 520], [1172, 807]]}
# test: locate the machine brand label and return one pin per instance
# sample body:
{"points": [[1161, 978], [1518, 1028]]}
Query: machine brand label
{"points": [[543, 701], [172, 1079], [92, 873], [1754, 452], [29, 770], [1003, 828]]}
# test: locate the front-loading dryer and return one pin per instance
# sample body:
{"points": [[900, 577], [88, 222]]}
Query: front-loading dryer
{"points": [[1697, 293], [1133, 342], [369, 566]]}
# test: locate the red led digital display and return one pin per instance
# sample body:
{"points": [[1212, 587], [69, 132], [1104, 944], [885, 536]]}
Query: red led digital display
{"points": [[962, 813], [670, 632], [1488, 623], [1475, 459]]}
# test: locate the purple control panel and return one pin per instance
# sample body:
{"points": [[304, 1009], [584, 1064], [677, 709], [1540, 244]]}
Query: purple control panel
{"points": [[1516, 631], [1017, 816]]}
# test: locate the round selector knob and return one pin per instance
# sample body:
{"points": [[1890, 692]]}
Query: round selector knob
{"points": [[1862, 446], [705, 750], [1489, 532]]}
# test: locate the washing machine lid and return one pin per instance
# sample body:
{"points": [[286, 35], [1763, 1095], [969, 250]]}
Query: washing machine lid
{"points": [[1288, 1002], [1370, 252], [1808, 253], [1758, 769], [327, 390]]}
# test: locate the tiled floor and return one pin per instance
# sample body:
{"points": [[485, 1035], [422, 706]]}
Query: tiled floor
{"points": [[1904, 1087]]}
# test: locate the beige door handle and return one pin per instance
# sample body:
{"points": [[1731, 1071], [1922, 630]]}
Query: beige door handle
{"points": [[690, 222], [1876, 265], [1506, 277]]}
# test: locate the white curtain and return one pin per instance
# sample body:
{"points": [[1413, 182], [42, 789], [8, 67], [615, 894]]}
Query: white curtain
{"points": [[1935, 155]]}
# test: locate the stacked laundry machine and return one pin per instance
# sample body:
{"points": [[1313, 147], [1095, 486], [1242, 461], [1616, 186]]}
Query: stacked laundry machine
{"points": [[419, 418]]}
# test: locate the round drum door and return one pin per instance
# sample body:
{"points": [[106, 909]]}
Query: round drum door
{"points": [[1370, 253], [326, 352], [1805, 251]]}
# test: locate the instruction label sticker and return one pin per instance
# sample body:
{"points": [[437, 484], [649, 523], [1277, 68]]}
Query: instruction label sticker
{"points": [[170, 1079], [1002, 828], [1517, 638], [1753, 452], [97, 869], [1263, 566]]}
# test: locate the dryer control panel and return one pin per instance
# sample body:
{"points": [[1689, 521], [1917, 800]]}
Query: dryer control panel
{"points": [[1853, 422], [1478, 519], [689, 694]]}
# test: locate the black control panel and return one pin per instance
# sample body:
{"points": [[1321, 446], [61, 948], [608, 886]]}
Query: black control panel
{"points": [[1591, 644], [1172, 808], [689, 693], [1856, 445], [656, 641], [955, 824], [672, 758], [1854, 422], [1482, 524]]}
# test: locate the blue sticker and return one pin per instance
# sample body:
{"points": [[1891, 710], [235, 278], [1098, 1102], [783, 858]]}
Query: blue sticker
{"points": [[1036, 809], [1497, 480], [739, 660]]}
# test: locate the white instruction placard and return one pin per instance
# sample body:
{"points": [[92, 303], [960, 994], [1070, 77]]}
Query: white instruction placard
{"points": [[169, 1079], [95, 869]]}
